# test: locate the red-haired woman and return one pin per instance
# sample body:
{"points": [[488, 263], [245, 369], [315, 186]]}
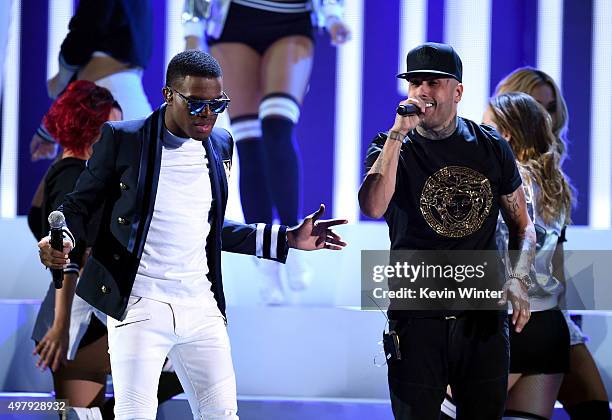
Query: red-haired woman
{"points": [[70, 338]]}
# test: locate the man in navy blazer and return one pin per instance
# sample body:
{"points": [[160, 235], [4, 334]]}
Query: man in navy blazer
{"points": [[155, 267]]}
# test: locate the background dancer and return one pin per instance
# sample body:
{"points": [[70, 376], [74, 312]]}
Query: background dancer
{"points": [[582, 392], [70, 334], [274, 41], [109, 42], [539, 355]]}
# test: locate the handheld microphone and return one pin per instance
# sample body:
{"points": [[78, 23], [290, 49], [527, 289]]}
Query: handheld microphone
{"points": [[411, 109], [408, 110], [57, 222]]}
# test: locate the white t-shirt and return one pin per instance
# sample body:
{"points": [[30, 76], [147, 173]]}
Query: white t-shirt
{"points": [[173, 266]]}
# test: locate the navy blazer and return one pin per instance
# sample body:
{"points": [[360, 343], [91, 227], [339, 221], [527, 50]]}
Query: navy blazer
{"points": [[122, 177]]}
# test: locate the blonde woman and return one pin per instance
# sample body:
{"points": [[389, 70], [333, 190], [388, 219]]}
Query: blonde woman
{"points": [[582, 393], [543, 89], [539, 355]]}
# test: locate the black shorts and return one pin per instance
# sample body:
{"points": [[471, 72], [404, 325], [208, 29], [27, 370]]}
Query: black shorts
{"points": [[261, 28], [543, 345], [94, 332]]}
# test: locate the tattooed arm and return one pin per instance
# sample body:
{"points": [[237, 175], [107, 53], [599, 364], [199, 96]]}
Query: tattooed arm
{"points": [[522, 238], [521, 231], [379, 184]]}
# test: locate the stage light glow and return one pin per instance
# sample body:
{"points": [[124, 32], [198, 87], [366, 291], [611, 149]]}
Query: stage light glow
{"points": [[468, 30], [60, 12], [600, 197], [550, 37], [347, 146], [412, 32], [10, 117]]}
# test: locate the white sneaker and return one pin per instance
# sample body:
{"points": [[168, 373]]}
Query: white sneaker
{"points": [[298, 271], [272, 293]]}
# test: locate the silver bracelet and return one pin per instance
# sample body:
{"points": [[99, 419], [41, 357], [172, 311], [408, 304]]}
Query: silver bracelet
{"points": [[525, 279]]}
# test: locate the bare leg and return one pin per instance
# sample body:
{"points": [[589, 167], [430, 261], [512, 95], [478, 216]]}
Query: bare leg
{"points": [[286, 66], [241, 77], [83, 380]]}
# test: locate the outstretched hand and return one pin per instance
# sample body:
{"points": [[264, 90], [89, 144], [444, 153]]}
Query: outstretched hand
{"points": [[314, 234]]}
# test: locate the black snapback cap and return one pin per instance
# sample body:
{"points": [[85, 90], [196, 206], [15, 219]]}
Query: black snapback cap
{"points": [[433, 58]]}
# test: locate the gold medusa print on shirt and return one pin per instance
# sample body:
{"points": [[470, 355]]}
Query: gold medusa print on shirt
{"points": [[456, 201]]}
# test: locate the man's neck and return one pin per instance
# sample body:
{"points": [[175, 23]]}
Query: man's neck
{"points": [[173, 128], [438, 133]]}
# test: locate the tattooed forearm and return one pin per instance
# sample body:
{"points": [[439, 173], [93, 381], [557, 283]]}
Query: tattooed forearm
{"points": [[440, 133], [379, 185], [525, 240], [522, 236], [378, 166]]}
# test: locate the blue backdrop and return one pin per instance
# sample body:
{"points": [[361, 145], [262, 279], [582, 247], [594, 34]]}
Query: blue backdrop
{"points": [[513, 43]]}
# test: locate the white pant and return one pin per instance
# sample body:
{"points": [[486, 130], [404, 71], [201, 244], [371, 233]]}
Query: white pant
{"points": [[197, 345]]}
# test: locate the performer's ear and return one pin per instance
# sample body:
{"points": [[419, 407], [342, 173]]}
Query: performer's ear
{"points": [[458, 92], [167, 92]]}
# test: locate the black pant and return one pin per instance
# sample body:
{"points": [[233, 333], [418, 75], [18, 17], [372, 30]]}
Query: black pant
{"points": [[469, 353]]}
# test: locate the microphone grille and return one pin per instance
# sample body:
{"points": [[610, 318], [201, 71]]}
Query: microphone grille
{"points": [[56, 219]]}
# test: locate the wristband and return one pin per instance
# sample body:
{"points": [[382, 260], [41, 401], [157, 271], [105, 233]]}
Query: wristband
{"points": [[44, 134], [396, 135]]}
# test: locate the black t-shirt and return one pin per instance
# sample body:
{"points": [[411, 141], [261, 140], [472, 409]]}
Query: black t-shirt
{"points": [[447, 191]]}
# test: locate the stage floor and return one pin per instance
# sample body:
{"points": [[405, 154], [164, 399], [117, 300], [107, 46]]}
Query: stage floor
{"points": [[262, 408]]}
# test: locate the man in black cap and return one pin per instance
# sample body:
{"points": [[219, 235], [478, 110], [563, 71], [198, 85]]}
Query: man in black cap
{"points": [[440, 181]]}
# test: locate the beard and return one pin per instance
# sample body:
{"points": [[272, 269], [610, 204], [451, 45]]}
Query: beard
{"points": [[438, 120]]}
